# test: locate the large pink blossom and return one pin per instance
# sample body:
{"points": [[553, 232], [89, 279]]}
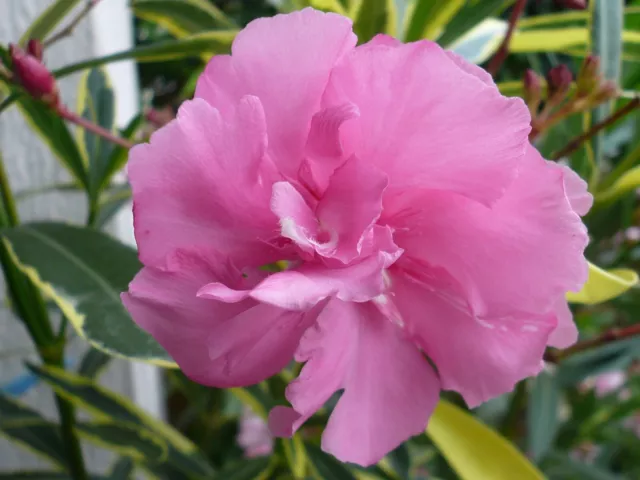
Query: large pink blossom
{"points": [[414, 218]]}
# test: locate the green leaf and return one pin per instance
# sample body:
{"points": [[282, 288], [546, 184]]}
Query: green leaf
{"points": [[122, 470], [96, 103], [609, 357], [93, 363], [325, 466], [198, 45], [430, 17], [62, 187], [474, 12], [295, 455], [47, 21], [627, 182], [373, 17], [56, 135], [111, 203], [254, 469], [104, 404], [481, 42], [83, 271], [475, 451], [603, 285], [256, 397], [400, 462], [566, 467], [29, 429], [182, 17], [129, 439], [329, 6], [119, 155], [542, 414]]}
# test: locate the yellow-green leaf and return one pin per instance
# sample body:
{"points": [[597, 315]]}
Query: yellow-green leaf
{"points": [[182, 17], [475, 451], [604, 285], [329, 6], [481, 42], [373, 17], [47, 21], [627, 182], [430, 17]]}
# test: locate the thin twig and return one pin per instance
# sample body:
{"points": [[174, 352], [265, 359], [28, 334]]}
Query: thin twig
{"points": [[574, 144], [498, 59], [68, 30], [92, 127], [607, 337]]}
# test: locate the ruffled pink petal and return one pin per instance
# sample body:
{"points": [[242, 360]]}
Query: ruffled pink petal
{"points": [[351, 205], [521, 255], [479, 358], [566, 333], [303, 287], [204, 182], [286, 61], [576, 190], [389, 389], [472, 69], [214, 343], [414, 128], [344, 218]]}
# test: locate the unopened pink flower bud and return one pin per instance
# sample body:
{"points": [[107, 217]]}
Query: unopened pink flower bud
{"points": [[34, 77], [572, 4], [559, 81]]}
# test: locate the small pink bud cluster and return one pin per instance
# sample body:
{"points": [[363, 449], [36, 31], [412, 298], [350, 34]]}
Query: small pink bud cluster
{"points": [[591, 89], [32, 74]]}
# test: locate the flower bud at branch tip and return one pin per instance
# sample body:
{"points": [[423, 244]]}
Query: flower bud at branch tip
{"points": [[35, 49], [559, 81], [31, 73], [589, 76]]}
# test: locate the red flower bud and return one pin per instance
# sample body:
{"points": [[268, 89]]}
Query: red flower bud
{"points": [[35, 49], [559, 80], [572, 4], [31, 73]]}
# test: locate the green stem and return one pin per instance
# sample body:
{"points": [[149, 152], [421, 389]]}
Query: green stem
{"points": [[72, 445], [28, 303]]}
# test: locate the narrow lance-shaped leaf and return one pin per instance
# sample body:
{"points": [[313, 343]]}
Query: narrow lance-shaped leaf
{"points": [[119, 155], [373, 17], [131, 440], [201, 44], [475, 451], [182, 17], [84, 271], [542, 414], [473, 12], [122, 470], [85, 394], [54, 132], [326, 467], [603, 285], [254, 469], [430, 17], [29, 429], [96, 103], [47, 21]]}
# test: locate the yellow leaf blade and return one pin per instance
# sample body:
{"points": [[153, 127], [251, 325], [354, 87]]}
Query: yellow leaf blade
{"points": [[603, 285], [475, 451]]}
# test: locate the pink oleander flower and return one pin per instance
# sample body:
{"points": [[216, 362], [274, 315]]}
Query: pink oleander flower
{"points": [[398, 189]]}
